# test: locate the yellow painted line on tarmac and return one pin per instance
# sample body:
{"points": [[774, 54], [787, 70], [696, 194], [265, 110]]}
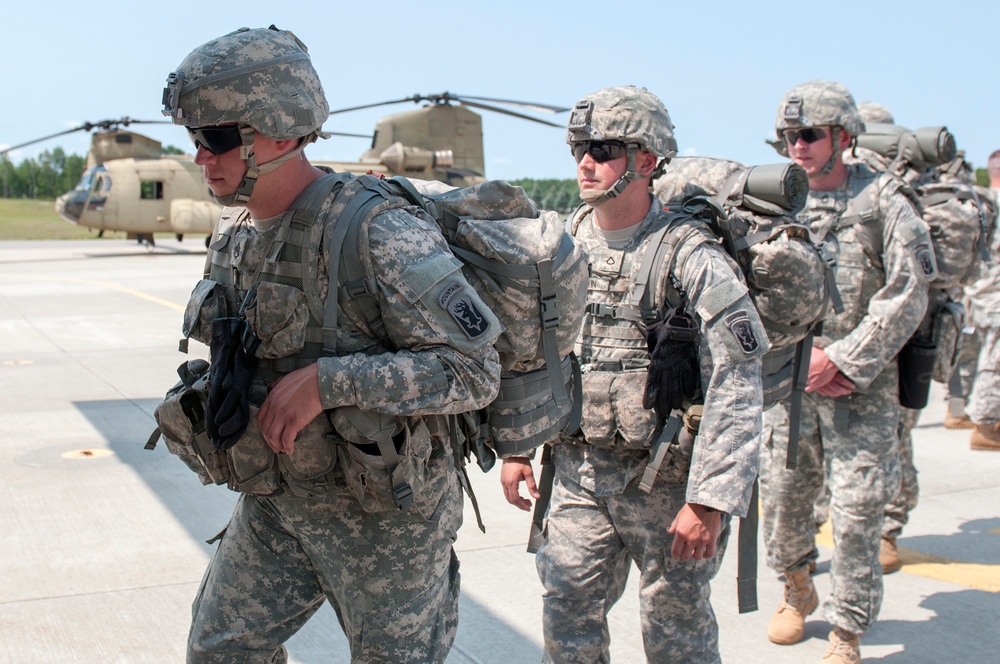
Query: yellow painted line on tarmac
{"points": [[979, 576], [102, 284]]}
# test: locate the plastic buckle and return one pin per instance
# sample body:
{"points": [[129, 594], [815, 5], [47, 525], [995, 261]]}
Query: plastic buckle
{"points": [[402, 495], [549, 313]]}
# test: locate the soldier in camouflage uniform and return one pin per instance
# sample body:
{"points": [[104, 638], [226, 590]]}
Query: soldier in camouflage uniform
{"points": [[850, 413], [609, 507], [317, 519], [984, 305]]}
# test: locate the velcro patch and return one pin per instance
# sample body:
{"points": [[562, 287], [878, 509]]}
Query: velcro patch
{"points": [[463, 309], [739, 324]]}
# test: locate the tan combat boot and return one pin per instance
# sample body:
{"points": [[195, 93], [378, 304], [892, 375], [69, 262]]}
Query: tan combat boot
{"points": [[845, 648], [888, 555], [788, 625], [985, 438], [956, 422]]}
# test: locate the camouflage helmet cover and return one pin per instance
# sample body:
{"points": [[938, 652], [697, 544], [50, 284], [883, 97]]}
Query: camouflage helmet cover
{"points": [[819, 104], [628, 114], [875, 113], [262, 78]]}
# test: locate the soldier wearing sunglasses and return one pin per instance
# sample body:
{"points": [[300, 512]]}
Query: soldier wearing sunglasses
{"points": [[850, 412], [322, 514], [635, 485]]}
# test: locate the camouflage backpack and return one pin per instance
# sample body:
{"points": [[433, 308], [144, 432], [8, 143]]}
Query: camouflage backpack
{"points": [[526, 268], [926, 159], [790, 277]]}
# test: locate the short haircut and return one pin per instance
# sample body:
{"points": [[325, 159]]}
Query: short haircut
{"points": [[993, 165]]}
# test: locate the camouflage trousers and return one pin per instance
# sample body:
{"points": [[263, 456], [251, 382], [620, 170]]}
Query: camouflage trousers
{"points": [[392, 577], [856, 454], [960, 385], [897, 511], [984, 402], [590, 544]]}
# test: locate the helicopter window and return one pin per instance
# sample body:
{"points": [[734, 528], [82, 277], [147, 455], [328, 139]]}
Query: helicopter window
{"points": [[151, 189]]}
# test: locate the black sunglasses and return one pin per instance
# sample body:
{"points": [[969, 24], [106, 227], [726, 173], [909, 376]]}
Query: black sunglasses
{"points": [[809, 135], [217, 140], [600, 151]]}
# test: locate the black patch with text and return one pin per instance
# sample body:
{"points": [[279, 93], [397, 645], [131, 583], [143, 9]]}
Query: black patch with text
{"points": [[925, 257], [739, 324], [464, 310]]}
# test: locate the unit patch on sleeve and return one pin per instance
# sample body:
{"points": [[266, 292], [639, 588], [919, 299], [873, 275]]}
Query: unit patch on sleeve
{"points": [[463, 309], [739, 324]]}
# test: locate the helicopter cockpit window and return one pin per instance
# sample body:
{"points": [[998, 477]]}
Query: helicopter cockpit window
{"points": [[89, 177], [151, 189]]}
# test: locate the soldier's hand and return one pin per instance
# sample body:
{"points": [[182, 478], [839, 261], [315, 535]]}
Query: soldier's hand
{"points": [[292, 403], [696, 533], [514, 471], [825, 377]]}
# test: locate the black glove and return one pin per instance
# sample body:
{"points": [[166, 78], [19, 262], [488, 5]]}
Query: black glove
{"points": [[673, 373], [233, 364]]}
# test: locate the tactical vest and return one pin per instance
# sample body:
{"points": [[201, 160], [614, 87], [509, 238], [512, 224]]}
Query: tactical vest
{"points": [[282, 265], [612, 345], [849, 220]]}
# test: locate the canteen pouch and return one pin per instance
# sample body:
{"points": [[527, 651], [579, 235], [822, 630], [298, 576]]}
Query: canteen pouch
{"points": [[360, 460], [916, 365], [181, 421]]}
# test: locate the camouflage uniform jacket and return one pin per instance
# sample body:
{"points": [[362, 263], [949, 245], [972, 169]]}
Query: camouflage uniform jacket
{"points": [[428, 365], [724, 460], [884, 266], [984, 292]]}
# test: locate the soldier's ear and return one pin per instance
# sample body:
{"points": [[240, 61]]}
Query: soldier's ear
{"points": [[645, 163]]}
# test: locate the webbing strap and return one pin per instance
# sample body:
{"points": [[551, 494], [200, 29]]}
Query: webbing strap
{"points": [[803, 353], [350, 220], [659, 451], [547, 473], [956, 401], [463, 476], [746, 574]]}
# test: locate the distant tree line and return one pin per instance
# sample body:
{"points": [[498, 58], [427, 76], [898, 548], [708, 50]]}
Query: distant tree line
{"points": [[559, 195], [50, 175]]}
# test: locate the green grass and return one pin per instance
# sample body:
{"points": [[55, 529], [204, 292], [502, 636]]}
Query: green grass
{"points": [[27, 219]]}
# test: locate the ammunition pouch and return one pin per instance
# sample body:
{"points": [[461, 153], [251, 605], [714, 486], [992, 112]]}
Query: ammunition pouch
{"points": [[233, 364], [916, 366], [613, 415], [180, 419]]}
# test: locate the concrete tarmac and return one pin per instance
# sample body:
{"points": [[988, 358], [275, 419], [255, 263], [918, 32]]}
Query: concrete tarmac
{"points": [[102, 543]]}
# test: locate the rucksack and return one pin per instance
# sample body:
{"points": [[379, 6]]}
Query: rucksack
{"points": [[526, 268], [790, 277], [927, 160]]}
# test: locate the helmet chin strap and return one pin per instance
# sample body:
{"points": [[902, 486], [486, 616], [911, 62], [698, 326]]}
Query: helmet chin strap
{"points": [[834, 143], [253, 171], [596, 197]]}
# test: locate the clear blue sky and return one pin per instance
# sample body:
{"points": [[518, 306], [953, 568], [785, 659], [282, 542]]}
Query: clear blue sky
{"points": [[720, 67]]}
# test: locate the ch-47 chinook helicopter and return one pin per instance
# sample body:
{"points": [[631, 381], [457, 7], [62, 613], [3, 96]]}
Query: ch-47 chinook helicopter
{"points": [[130, 186]]}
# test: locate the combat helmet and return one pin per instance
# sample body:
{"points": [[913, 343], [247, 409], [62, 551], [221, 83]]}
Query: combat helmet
{"points": [[628, 114], [258, 79], [817, 104], [874, 113]]}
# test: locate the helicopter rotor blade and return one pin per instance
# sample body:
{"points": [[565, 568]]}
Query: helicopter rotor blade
{"points": [[44, 138], [87, 126], [545, 108], [340, 133], [505, 111], [414, 98]]}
